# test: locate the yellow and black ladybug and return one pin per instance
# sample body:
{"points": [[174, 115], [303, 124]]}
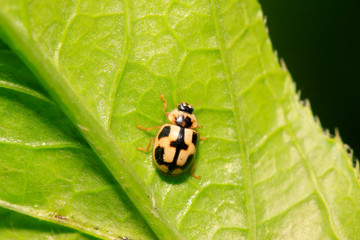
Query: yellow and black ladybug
{"points": [[175, 144]]}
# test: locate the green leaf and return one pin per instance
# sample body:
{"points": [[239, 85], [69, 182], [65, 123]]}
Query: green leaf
{"points": [[3, 45], [268, 170], [48, 171], [17, 226]]}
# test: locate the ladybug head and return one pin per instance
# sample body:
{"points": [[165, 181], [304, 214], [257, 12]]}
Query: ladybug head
{"points": [[183, 116], [185, 107]]}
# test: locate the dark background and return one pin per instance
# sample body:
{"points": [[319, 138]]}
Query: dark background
{"points": [[319, 42]]}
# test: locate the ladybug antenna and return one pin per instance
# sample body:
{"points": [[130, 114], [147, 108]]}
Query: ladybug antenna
{"points": [[198, 103], [182, 101], [179, 95]]}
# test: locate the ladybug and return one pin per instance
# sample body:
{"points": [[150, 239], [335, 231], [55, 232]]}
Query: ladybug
{"points": [[175, 144]]}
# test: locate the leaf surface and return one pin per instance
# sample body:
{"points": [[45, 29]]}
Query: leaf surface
{"points": [[268, 170], [47, 169], [17, 226]]}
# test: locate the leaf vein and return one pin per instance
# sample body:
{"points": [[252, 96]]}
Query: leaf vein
{"points": [[315, 183], [24, 90], [64, 33], [245, 161], [121, 66]]}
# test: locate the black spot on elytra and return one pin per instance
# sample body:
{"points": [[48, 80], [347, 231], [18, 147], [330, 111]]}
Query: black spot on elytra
{"points": [[179, 144], [164, 132], [194, 138], [159, 155]]}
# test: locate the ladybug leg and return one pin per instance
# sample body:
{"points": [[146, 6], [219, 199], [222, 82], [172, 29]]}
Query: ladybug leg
{"points": [[147, 129], [197, 127], [201, 138], [192, 171], [148, 146], [165, 105]]}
